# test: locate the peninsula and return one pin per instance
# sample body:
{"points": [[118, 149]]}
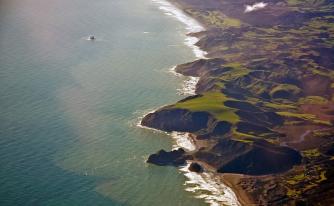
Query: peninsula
{"points": [[263, 114]]}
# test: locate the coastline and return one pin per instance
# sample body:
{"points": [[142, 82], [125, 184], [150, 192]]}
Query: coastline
{"points": [[231, 180], [192, 26], [220, 193], [249, 103], [213, 189], [188, 85]]}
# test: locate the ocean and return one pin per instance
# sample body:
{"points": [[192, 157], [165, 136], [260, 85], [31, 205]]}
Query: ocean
{"points": [[70, 107]]}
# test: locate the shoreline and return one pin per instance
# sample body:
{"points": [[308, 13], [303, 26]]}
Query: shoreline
{"points": [[231, 181], [250, 101], [188, 85], [218, 191], [192, 25]]}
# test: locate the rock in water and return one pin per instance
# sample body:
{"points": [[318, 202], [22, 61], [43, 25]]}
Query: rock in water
{"points": [[195, 167], [174, 158]]}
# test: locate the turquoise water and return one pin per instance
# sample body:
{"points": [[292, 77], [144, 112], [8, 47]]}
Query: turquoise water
{"points": [[69, 107]]}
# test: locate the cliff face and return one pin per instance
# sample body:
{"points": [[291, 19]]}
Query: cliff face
{"points": [[174, 158], [265, 98], [260, 158], [180, 120], [257, 157]]}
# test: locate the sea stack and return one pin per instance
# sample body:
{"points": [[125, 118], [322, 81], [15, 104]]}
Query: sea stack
{"points": [[195, 167]]}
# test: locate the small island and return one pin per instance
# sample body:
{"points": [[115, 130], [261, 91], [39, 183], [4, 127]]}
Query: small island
{"points": [[263, 114]]}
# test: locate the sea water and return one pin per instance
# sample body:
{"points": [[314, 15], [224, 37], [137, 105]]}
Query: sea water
{"points": [[69, 106]]}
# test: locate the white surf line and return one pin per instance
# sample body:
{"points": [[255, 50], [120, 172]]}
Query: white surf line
{"points": [[216, 194], [203, 184], [142, 114], [189, 85], [207, 188], [183, 140], [192, 26]]}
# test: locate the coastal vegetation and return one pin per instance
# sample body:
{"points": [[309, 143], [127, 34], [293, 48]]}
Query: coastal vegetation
{"points": [[212, 102], [265, 98]]}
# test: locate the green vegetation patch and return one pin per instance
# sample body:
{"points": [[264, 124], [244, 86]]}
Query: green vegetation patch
{"points": [[288, 88], [216, 18], [296, 179], [212, 102], [307, 117], [313, 100], [322, 176], [300, 181], [311, 153], [322, 133], [237, 70], [297, 115], [317, 71], [293, 193], [305, 3], [240, 136]]}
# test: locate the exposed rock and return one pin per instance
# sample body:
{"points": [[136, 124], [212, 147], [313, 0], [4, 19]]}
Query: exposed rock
{"points": [[257, 158], [246, 127], [266, 119], [195, 167], [220, 129], [181, 120], [174, 158], [199, 67], [265, 62], [253, 158]]}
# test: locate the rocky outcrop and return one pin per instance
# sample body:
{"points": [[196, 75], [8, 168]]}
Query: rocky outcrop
{"points": [[201, 67], [181, 120], [252, 158], [256, 158], [272, 65], [219, 129], [162, 158], [195, 167], [267, 119]]}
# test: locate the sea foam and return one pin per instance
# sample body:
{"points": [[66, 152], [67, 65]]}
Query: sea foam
{"points": [[203, 185], [189, 84], [192, 26], [206, 187], [183, 140]]}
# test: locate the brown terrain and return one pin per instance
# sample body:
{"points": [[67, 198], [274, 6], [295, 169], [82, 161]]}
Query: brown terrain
{"points": [[263, 114]]}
